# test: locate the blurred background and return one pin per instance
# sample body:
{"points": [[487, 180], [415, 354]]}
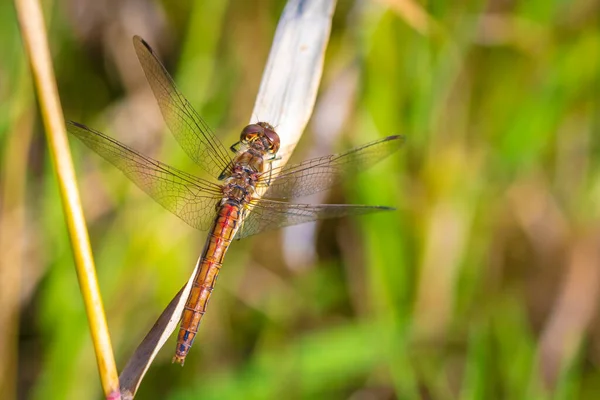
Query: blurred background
{"points": [[483, 284]]}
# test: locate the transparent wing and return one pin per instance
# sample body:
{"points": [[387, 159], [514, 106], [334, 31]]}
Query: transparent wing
{"points": [[318, 174], [269, 214], [190, 198], [192, 133]]}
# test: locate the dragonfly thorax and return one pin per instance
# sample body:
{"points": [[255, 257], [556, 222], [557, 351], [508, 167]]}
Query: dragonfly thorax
{"points": [[240, 185], [238, 189], [249, 164]]}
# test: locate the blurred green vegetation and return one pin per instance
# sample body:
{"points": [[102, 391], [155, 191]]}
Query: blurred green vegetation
{"points": [[483, 284]]}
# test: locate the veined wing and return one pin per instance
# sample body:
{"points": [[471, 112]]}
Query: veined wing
{"points": [[190, 198], [270, 214], [318, 174], [190, 130]]}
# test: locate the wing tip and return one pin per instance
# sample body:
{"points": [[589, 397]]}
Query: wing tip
{"points": [[400, 138], [137, 39], [77, 124]]}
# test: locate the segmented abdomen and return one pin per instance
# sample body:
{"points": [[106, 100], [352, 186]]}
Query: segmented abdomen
{"points": [[220, 237]]}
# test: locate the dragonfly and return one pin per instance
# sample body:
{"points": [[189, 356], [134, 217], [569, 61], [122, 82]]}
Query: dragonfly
{"points": [[229, 205]]}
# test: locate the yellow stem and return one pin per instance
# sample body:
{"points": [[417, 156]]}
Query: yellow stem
{"points": [[36, 45]]}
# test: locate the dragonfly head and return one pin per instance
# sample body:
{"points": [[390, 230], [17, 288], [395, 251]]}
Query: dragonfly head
{"points": [[261, 136]]}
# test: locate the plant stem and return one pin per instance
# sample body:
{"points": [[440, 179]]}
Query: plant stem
{"points": [[36, 46]]}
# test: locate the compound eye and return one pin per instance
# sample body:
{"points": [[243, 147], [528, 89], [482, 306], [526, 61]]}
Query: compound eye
{"points": [[273, 138], [250, 132]]}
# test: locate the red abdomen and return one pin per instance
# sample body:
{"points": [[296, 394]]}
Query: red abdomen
{"points": [[218, 242]]}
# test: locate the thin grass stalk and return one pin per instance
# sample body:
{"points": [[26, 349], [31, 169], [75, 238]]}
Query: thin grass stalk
{"points": [[286, 99], [35, 41]]}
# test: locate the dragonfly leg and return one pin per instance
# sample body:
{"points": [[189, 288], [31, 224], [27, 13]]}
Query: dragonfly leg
{"points": [[235, 147], [270, 173], [270, 161]]}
